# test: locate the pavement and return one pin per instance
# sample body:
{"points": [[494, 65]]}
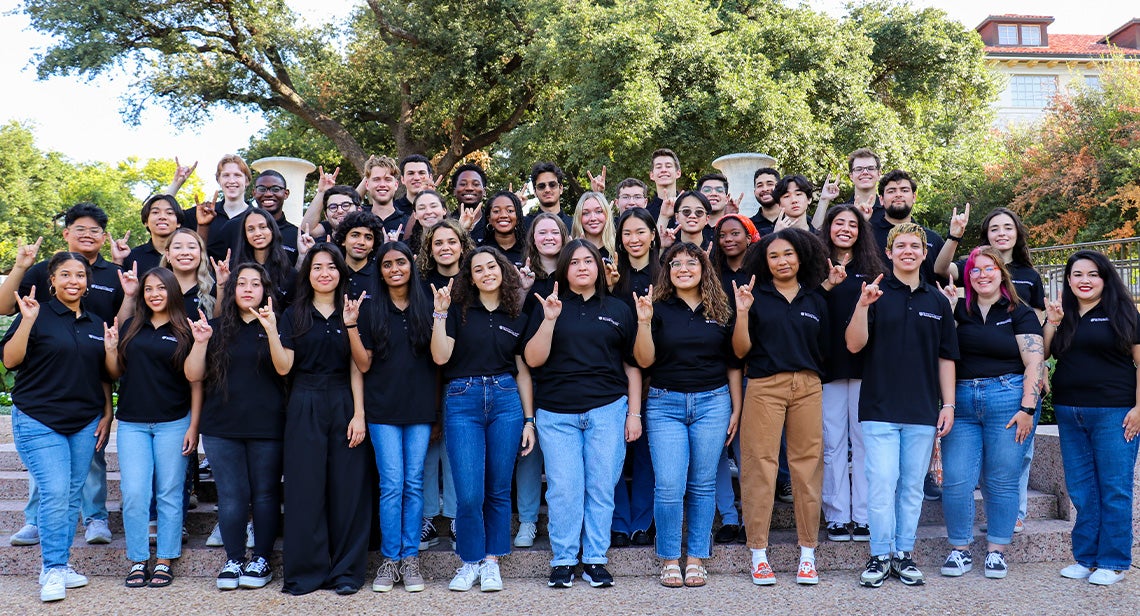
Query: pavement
{"points": [[1034, 588]]}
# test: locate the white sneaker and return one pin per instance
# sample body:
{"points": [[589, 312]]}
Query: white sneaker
{"points": [[248, 534], [489, 578], [28, 535], [71, 577], [53, 586], [1076, 571], [465, 577], [215, 538], [97, 532], [525, 536], [1105, 577]]}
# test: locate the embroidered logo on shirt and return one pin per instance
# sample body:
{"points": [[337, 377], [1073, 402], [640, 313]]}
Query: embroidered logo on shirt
{"points": [[930, 315], [94, 337], [810, 316], [1005, 322], [1098, 320], [102, 288], [610, 321], [509, 331], [170, 338]]}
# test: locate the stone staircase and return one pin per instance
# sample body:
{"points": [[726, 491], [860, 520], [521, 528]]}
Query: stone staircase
{"points": [[1046, 537]]}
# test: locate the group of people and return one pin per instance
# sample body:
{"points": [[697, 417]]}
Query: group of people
{"points": [[356, 354]]}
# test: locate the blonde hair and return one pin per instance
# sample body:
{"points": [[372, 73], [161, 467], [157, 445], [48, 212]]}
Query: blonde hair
{"points": [[205, 277], [386, 162], [608, 232]]}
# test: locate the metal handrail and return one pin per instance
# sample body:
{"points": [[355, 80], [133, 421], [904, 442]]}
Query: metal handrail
{"points": [[1124, 254]]}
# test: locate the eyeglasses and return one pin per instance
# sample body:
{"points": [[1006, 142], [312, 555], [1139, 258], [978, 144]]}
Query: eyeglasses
{"points": [[691, 213], [346, 206], [713, 190], [631, 198], [275, 190], [88, 231], [862, 169], [989, 269], [545, 185], [689, 264]]}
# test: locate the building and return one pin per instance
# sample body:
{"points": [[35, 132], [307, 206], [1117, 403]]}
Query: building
{"points": [[1036, 64]]}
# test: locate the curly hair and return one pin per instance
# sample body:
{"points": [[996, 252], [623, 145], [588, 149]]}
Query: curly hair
{"points": [[712, 293], [356, 220], [465, 293], [809, 249], [864, 253], [426, 260]]}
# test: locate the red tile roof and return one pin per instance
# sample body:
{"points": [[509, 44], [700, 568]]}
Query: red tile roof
{"points": [[1078, 45]]}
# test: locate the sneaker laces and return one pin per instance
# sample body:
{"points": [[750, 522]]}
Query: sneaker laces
{"points": [[232, 566], [994, 559], [411, 567], [257, 566], [389, 569], [427, 528], [55, 575], [958, 557]]}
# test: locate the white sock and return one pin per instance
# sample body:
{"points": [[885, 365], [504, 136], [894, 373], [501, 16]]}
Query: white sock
{"points": [[807, 554], [759, 556]]}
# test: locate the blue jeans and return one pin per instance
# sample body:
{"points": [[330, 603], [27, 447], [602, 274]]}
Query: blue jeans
{"points": [[247, 472], [400, 452], [725, 494], [436, 464], [1099, 467], [633, 503], [93, 497], [483, 424], [584, 455], [59, 464], [150, 458], [980, 444], [686, 432], [528, 483], [897, 458]]}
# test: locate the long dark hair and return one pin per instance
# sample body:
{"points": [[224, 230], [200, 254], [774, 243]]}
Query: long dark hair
{"points": [[625, 268], [1020, 246], [864, 253], [465, 293], [303, 316], [175, 311], [1115, 298], [530, 249], [276, 260], [809, 249], [561, 273], [489, 228], [227, 325], [419, 306]]}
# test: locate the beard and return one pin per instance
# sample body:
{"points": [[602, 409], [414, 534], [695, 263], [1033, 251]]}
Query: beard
{"points": [[898, 212]]}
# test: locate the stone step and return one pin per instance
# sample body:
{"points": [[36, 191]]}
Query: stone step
{"points": [[1043, 541], [14, 486]]}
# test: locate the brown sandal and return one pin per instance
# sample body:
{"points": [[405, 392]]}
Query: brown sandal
{"points": [[671, 576], [696, 576]]}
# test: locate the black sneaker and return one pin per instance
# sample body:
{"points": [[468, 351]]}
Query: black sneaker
{"points": [[619, 539], [428, 535], [995, 565], [860, 532], [931, 491], [784, 492], [742, 538], [451, 531], [876, 572], [561, 576], [643, 537], [228, 577], [204, 470], [727, 533], [256, 573], [903, 567], [597, 576], [838, 532], [958, 563]]}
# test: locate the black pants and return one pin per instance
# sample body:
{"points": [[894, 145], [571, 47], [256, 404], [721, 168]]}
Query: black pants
{"points": [[248, 474], [326, 495]]}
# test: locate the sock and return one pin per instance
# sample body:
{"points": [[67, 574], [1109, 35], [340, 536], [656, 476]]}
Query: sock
{"points": [[759, 556], [807, 554]]}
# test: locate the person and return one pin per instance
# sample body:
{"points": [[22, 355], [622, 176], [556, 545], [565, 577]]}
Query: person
{"points": [[907, 329], [416, 176], [233, 177], [692, 210], [381, 181], [401, 402], [324, 428], [664, 171], [84, 231], [594, 221], [426, 211], [333, 201], [477, 338], [547, 178], [61, 406], [357, 237], [638, 261], [585, 392], [781, 333], [185, 256], [764, 182], [631, 193], [162, 216], [898, 192], [235, 357], [158, 413], [269, 193], [849, 243], [714, 186], [261, 243], [502, 215], [469, 187], [864, 169], [793, 193], [1092, 332], [684, 337], [1000, 378]]}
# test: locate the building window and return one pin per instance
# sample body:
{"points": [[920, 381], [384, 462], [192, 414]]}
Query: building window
{"points": [[1031, 36], [1034, 91], [1007, 35], [1092, 82]]}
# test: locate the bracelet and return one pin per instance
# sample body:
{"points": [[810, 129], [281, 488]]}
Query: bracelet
{"points": [[633, 415], [1028, 410], [353, 326], [528, 420], [1054, 324], [950, 405], [439, 315], [956, 238]]}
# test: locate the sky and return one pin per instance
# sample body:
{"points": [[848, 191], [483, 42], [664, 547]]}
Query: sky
{"points": [[82, 118]]}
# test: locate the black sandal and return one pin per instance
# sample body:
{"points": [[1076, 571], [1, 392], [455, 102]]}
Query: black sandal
{"points": [[137, 578], [161, 577]]}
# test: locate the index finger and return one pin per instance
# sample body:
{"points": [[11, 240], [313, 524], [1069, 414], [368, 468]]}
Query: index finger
{"points": [[877, 280]]}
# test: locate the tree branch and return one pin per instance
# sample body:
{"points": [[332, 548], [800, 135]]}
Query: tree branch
{"points": [[387, 26]]}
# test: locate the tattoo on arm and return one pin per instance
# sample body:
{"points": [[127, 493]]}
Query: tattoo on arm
{"points": [[1031, 345]]}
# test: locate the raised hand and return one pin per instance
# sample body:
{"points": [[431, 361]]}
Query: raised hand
{"points": [[597, 182], [551, 305], [743, 294], [521, 193], [526, 276], [836, 273], [668, 235], [441, 297], [733, 205], [29, 307], [120, 248], [958, 221], [305, 242], [951, 293], [783, 221], [866, 206], [26, 253], [643, 305], [326, 181], [222, 268], [204, 213], [111, 336], [394, 236], [668, 206], [129, 281], [612, 273], [266, 317], [182, 172], [870, 293], [1054, 312], [201, 330], [830, 190], [351, 312], [467, 217]]}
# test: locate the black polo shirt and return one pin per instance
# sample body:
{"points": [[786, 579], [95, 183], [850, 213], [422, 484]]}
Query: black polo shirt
{"points": [[772, 228], [152, 388], [365, 280], [882, 227], [543, 287], [393, 222], [192, 303], [60, 381], [513, 254], [707, 237], [404, 205], [403, 387], [786, 336], [1093, 372], [592, 340], [763, 225], [910, 330], [228, 235], [146, 256], [841, 300], [727, 277], [486, 343], [693, 352], [988, 347], [1025, 280], [639, 282], [104, 293], [250, 401], [433, 278], [322, 350], [566, 219]]}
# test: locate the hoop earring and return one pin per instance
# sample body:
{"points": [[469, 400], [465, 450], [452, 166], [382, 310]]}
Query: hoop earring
{"points": [[51, 290]]}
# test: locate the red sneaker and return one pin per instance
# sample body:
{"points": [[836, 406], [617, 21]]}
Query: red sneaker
{"points": [[762, 574], [807, 573]]}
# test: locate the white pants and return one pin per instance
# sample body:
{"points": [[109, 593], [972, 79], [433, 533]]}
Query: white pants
{"points": [[844, 489]]}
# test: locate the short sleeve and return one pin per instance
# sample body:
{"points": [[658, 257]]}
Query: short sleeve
{"points": [[1025, 322], [364, 326], [948, 344]]}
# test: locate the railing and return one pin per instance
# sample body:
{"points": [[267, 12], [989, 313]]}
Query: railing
{"points": [[1124, 254]]}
